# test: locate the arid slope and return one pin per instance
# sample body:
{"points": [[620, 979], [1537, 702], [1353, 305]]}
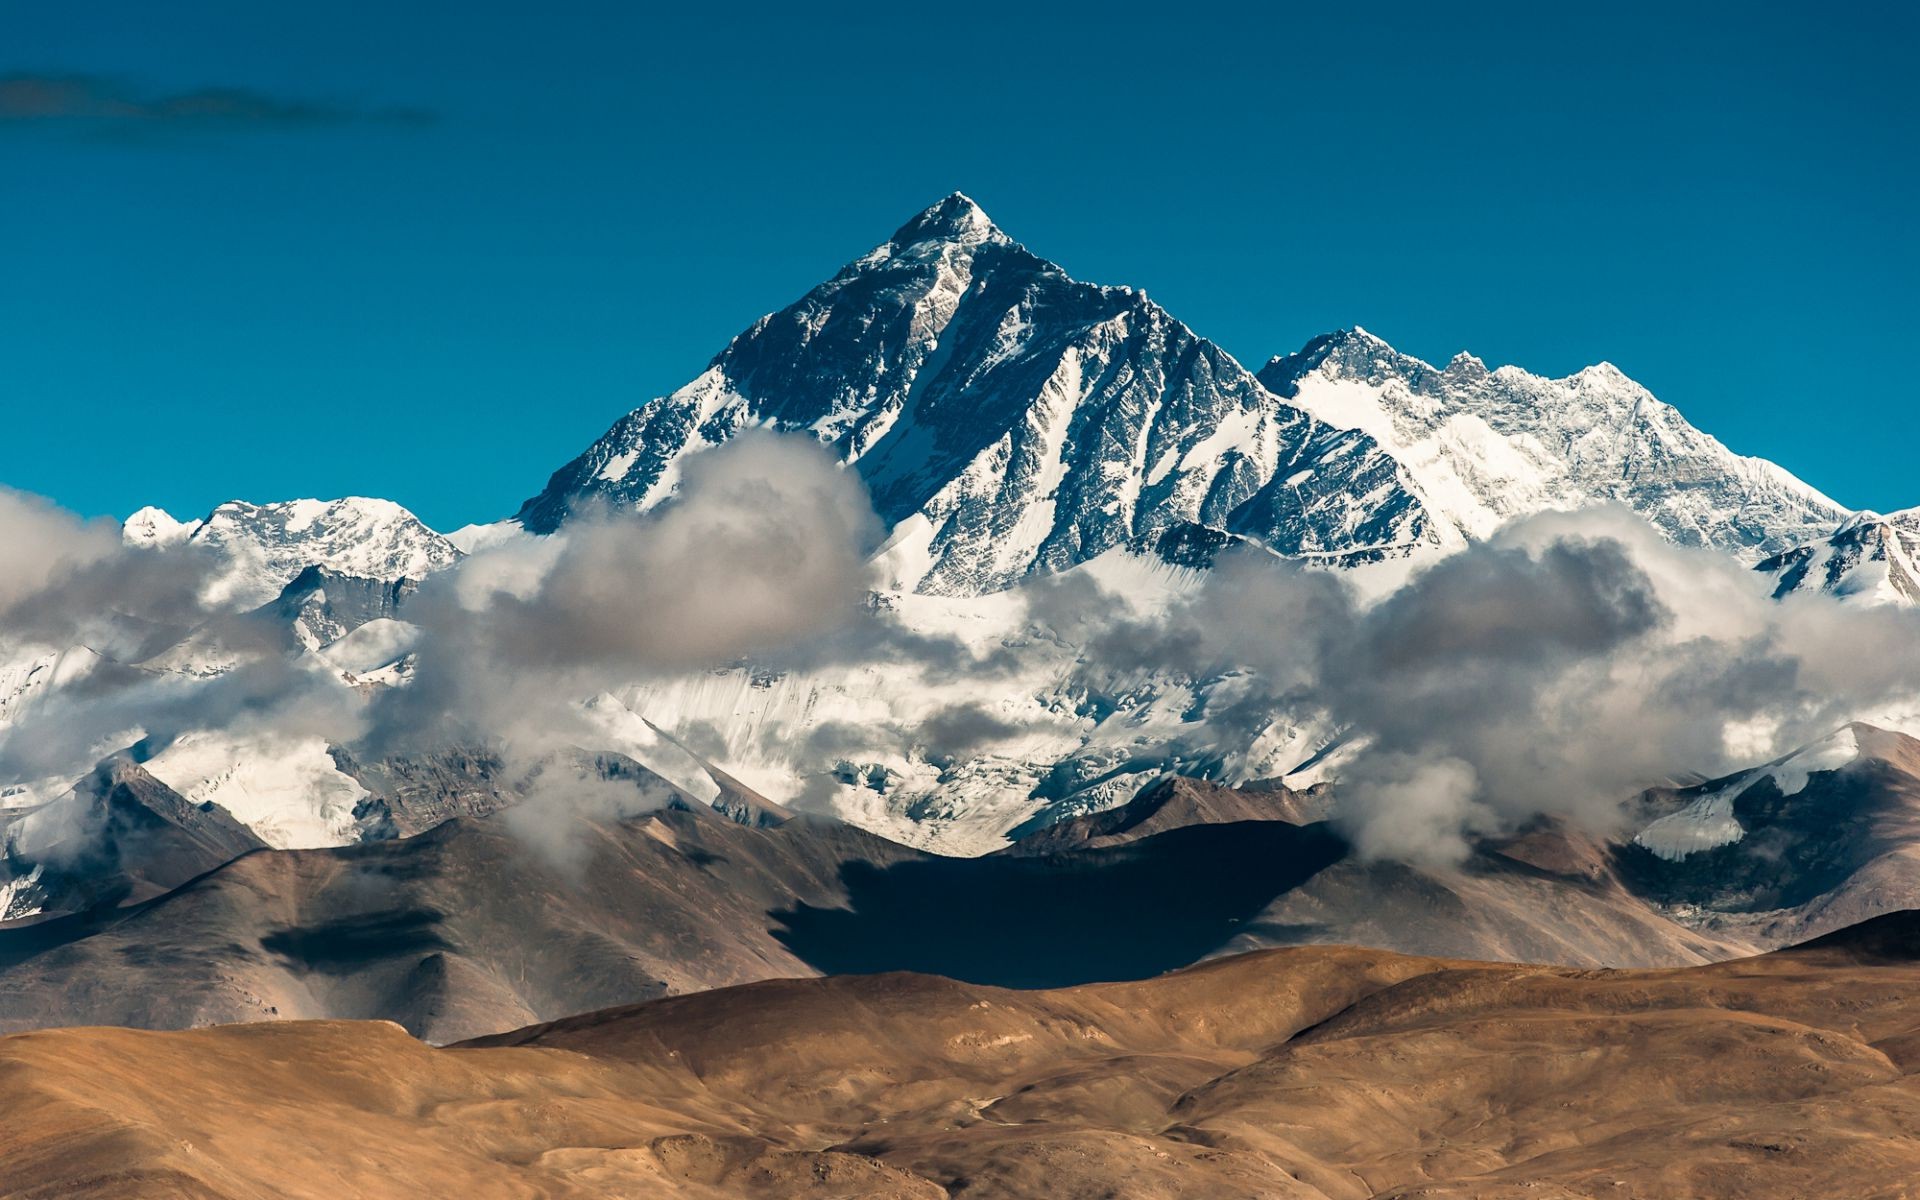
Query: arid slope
{"points": [[1306, 1072]]}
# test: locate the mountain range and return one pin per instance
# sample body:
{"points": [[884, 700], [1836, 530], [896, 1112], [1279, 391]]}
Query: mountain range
{"points": [[1009, 419], [1010, 423], [500, 916]]}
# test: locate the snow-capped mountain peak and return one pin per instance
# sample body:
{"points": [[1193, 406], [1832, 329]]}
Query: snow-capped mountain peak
{"points": [[954, 220], [1480, 446], [153, 526], [1009, 419], [263, 547]]}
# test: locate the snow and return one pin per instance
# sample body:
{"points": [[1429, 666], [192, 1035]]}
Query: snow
{"points": [[906, 556], [1235, 430], [1702, 825], [263, 546], [1831, 753], [471, 539], [618, 466], [886, 782], [16, 893], [1028, 420], [37, 671], [301, 514], [1869, 560], [287, 790], [156, 527], [624, 731], [1481, 446], [1052, 417]]}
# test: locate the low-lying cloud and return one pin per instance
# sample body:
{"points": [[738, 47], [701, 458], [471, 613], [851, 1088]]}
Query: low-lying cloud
{"points": [[1557, 669], [765, 547], [65, 580]]}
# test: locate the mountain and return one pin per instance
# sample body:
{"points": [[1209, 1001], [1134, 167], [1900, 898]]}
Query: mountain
{"points": [[315, 610], [1479, 446], [1817, 840], [119, 837], [1174, 803], [475, 926], [497, 910], [1870, 559], [299, 574], [39, 671], [319, 606], [262, 547], [298, 579], [1321, 1073], [155, 527], [281, 784], [529, 912], [1009, 419]]}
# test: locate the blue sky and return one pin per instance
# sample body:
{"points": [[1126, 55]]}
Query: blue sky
{"points": [[431, 250]]}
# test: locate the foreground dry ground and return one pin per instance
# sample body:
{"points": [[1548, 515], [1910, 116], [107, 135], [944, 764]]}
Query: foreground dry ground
{"points": [[1309, 1072]]}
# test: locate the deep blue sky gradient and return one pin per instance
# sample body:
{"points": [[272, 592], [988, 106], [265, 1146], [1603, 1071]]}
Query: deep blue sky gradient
{"points": [[1720, 199]]}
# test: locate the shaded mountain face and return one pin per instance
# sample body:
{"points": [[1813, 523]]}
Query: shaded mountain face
{"points": [[475, 926], [320, 606], [1174, 803], [1479, 446], [1009, 419], [119, 837], [1316, 1073], [1870, 559], [315, 610]]}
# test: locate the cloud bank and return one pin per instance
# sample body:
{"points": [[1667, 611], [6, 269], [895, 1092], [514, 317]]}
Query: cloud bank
{"points": [[1556, 669]]}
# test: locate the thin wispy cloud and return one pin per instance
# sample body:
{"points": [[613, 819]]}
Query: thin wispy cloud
{"points": [[29, 99]]}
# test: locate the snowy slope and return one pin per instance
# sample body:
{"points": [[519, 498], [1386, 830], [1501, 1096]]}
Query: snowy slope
{"points": [[1870, 559], [286, 790], [1482, 445], [156, 527], [1009, 419], [35, 672]]}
